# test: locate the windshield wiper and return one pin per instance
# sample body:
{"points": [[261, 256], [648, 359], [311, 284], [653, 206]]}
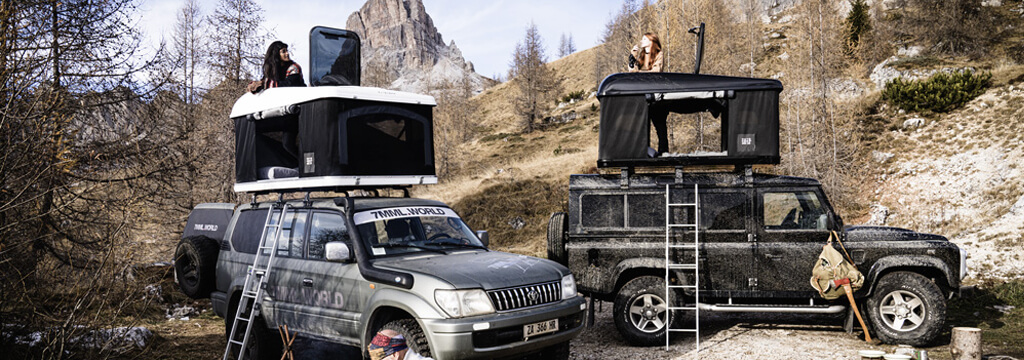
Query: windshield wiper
{"points": [[459, 244], [396, 245]]}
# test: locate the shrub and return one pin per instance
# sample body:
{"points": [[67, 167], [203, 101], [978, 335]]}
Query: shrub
{"points": [[943, 92], [575, 95]]}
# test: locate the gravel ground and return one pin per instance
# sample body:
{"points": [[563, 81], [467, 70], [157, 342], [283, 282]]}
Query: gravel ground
{"points": [[732, 336]]}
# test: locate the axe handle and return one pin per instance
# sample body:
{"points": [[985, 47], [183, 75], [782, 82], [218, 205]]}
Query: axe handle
{"points": [[853, 303]]}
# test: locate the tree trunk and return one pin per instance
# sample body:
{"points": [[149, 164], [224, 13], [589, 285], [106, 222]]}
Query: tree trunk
{"points": [[966, 343]]}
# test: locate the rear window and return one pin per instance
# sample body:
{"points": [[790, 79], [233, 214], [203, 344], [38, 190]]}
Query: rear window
{"points": [[248, 228]]}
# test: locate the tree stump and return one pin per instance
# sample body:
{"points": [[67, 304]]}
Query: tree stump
{"points": [[966, 343]]}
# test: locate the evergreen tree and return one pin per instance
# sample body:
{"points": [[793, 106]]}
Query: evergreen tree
{"points": [[858, 23]]}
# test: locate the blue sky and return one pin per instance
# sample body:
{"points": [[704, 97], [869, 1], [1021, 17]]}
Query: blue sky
{"points": [[485, 31]]}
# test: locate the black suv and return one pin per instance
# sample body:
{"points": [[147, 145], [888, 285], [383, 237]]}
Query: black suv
{"points": [[759, 235]]}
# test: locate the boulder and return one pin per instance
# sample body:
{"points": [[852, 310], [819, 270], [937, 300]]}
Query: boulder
{"points": [[913, 123]]}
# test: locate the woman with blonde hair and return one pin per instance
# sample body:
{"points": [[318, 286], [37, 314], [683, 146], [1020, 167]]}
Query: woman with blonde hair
{"points": [[647, 54]]}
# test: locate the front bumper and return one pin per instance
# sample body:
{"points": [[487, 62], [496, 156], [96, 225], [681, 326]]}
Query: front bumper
{"points": [[501, 334]]}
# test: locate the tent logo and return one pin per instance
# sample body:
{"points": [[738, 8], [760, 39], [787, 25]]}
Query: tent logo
{"points": [[746, 143]]}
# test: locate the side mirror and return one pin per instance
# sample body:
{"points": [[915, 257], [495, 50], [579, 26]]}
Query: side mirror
{"points": [[484, 237], [337, 251]]}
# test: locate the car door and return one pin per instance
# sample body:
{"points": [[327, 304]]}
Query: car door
{"points": [[726, 232], [333, 294], [282, 289], [792, 228]]}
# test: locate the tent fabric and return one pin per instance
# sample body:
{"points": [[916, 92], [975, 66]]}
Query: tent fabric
{"points": [[749, 117], [338, 137]]}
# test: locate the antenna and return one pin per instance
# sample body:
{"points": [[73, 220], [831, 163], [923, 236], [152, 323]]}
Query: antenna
{"points": [[699, 31]]}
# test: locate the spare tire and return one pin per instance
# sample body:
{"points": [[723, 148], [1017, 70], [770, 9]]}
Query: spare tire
{"points": [[556, 237], [195, 266]]}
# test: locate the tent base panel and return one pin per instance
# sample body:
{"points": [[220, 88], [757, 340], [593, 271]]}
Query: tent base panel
{"points": [[689, 160], [332, 183]]}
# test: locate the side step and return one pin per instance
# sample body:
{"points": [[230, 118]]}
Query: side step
{"points": [[792, 309]]}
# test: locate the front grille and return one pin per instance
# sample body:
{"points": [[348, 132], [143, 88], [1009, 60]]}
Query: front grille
{"points": [[525, 296]]}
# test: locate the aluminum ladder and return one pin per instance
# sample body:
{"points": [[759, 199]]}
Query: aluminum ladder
{"points": [[688, 266], [256, 280]]}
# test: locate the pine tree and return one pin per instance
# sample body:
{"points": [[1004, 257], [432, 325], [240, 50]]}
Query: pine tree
{"points": [[858, 23]]}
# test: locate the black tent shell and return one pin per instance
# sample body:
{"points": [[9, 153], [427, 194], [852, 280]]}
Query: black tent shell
{"points": [[747, 107], [332, 137]]}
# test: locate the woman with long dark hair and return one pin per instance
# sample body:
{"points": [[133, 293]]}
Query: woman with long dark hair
{"points": [[278, 69]]}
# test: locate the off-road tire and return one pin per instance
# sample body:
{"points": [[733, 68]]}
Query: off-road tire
{"points": [[639, 291], [556, 237], [195, 266], [413, 334], [924, 301], [264, 343]]}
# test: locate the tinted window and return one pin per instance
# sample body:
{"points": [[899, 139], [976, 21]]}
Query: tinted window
{"points": [[646, 210], [724, 211], [334, 57], [793, 210], [602, 211], [246, 235], [292, 240], [325, 228]]}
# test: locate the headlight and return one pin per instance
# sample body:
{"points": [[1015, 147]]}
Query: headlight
{"points": [[568, 287], [462, 303]]}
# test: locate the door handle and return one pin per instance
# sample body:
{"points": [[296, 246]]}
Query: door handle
{"points": [[307, 282], [773, 256]]}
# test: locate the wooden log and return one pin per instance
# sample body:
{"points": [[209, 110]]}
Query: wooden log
{"points": [[966, 343]]}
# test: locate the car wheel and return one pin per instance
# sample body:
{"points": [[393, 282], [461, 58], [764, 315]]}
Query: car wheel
{"points": [[641, 311], [556, 237], [263, 343], [413, 334], [195, 266], [907, 308]]}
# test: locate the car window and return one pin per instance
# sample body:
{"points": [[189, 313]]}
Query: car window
{"points": [[599, 211], [324, 228], [399, 230], [245, 236], [724, 211], [292, 240], [793, 210]]}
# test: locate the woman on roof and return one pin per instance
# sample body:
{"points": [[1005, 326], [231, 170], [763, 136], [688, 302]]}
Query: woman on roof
{"points": [[646, 57], [278, 70]]}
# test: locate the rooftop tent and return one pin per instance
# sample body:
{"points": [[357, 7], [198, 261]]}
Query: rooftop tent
{"points": [[332, 137], [333, 57], [748, 109]]}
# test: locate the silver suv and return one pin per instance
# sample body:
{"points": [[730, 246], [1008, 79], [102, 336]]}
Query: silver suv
{"points": [[346, 268]]}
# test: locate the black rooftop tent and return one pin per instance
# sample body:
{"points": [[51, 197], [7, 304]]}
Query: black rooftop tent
{"points": [[335, 134], [747, 107]]}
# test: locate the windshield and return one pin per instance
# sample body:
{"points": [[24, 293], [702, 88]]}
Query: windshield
{"points": [[403, 230]]}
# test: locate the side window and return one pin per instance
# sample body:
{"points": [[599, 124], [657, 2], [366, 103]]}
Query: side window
{"points": [[324, 228], [646, 210], [598, 211], [724, 211], [292, 240], [246, 235], [793, 210]]}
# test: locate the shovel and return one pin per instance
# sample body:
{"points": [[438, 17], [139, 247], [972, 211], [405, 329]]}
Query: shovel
{"points": [[845, 283]]}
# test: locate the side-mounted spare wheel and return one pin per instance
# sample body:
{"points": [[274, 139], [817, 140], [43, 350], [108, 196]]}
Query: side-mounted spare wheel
{"points": [[907, 308], [195, 266], [556, 237]]}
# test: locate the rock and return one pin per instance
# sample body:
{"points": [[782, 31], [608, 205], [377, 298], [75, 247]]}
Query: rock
{"points": [[879, 215], [909, 51], [784, 56], [991, 2], [881, 157], [401, 35], [181, 312], [516, 223], [913, 123], [1018, 208]]}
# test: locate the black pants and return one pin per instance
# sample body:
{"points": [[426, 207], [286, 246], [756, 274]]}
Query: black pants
{"points": [[659, 118]]}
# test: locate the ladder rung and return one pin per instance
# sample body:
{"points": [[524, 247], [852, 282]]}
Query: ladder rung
{"points": [[683, 246], [241, 318], [683, 204], [266, 247], [683, 225], [682, 308], [682, 286], [682, 266], [236, 342], [683, 330]]}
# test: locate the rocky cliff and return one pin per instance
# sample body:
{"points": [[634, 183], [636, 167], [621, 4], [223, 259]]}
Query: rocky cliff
{"points": [[402, 49]]}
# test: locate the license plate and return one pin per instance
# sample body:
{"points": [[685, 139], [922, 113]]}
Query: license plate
{"points": [[543, 327]]}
